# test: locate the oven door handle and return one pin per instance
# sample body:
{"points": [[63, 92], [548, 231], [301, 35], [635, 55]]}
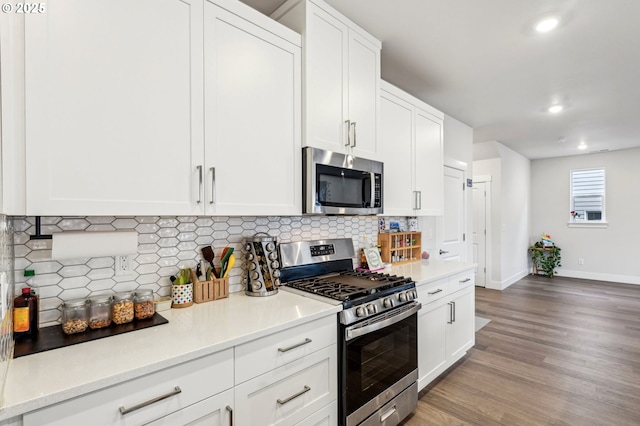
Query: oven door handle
{"points": [[355, 331]]}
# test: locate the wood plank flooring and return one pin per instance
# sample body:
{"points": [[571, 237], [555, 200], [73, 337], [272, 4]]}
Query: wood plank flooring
{"points": [[556, 352]]}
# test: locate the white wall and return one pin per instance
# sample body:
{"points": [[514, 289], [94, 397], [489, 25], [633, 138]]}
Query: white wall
{"points": [[510, 201], [609, 254]]}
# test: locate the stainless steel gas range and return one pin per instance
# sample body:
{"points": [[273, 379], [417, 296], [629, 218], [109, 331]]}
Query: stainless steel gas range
{"points": [[377, 329]]}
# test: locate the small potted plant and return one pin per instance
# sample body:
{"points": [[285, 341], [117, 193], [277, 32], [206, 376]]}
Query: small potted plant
{"points": [[545, 256]]}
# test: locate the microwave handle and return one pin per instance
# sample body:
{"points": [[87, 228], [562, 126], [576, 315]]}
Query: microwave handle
{"points": [[373, 190]]}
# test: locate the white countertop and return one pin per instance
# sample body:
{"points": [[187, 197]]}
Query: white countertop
{"points": [[426, 271], [34, 381], [38, 380]]}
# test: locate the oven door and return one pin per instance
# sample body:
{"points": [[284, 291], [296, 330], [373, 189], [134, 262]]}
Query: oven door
{"points": [[379, 356]]}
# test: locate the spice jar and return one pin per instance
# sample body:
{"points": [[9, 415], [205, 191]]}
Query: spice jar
{"points": [[122, 307], [143, 304], [75, 316], [100, 311]]}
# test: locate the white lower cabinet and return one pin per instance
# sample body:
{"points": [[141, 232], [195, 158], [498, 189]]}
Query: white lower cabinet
{"points": [[445, 324], [147, 398], [289, 394]]}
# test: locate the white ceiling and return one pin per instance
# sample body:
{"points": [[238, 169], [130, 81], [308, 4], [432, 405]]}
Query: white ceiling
{"points": [[480, 62]]}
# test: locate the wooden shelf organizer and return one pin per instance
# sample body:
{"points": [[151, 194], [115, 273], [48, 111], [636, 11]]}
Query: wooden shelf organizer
{"points": [[400, 247]]}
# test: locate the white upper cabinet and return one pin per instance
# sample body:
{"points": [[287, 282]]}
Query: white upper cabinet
{"points": [[114, 118], [253, 149], [411, 144], [136, 108], [341, 79]]}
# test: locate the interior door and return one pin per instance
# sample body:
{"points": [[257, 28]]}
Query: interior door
{"points": [[480, 232], [452, 241]]}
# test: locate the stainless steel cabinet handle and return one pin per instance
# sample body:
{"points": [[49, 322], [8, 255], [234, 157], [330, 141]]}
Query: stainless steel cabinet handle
{"points": [[466, 280], [230, 410], [453, 312], [353, 124], [443, 252], [450, 313], [348, 123], [419, 200], [435, 292], [415, 200], [175, 391], [388, 414], [297, 345], [292, 397], [200, 186], [213, 185]]}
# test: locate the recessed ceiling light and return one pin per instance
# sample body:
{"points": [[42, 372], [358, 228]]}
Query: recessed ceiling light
{"points": [[554, 109], [547, 25]]}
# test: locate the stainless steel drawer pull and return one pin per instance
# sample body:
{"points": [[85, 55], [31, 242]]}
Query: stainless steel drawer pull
{"points": [[435, 292], [466, 280], [302, 392], [200, 184], [297, 345], [230, 410], [450, 313], [175, 391], [388, 414]]}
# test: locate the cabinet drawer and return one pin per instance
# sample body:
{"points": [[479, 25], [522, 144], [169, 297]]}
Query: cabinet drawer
{"points": [[290, 393], [433, 291], [197, 380], [462, 280], [275, 350], [327, 416]]}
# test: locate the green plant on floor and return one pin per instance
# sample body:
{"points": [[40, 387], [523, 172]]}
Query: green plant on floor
{"points": [[545, 258]]}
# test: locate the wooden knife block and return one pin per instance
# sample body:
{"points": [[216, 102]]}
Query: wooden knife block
{"points": [[206, 291]]}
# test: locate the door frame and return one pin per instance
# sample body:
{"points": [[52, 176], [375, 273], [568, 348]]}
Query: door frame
{"points": [[467, 200], [488, 222]]}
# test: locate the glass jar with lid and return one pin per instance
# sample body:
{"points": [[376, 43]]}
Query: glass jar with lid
{"points": [[143, 304], [122, 307], [100, 311], [75, 316]]}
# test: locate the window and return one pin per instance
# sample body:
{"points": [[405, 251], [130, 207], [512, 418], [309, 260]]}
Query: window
{"points": [[587, 196]]}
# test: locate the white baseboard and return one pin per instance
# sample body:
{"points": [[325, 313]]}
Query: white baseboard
{"points": [[501, 285], [625, 279]]}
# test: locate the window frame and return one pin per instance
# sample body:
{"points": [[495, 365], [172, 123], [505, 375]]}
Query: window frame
{"points": [[585, 223]]}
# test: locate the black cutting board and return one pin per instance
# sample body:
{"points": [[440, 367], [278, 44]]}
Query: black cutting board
{"points": [[53, 337]]}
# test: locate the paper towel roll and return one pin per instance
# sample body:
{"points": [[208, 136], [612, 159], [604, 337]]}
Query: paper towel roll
{"points": [[79, 245]]}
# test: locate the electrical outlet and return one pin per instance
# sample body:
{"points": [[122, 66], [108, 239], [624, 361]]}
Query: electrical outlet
{"points": [[123, 265], [580, 261]]}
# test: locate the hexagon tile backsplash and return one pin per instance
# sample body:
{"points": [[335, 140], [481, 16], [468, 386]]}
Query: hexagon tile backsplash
{"points": [[164, 245]]}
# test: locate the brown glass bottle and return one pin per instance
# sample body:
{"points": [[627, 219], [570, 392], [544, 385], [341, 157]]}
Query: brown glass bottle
{"points": [[25, 315]]}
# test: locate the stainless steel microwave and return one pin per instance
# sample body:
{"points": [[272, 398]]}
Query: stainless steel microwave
{"points": [[335, 183]]}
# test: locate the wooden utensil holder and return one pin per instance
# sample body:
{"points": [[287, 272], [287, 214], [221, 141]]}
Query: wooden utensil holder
{"points": [[206, 291]]}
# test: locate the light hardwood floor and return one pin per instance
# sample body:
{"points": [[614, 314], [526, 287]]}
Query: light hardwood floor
{"points": [[556, 352]]}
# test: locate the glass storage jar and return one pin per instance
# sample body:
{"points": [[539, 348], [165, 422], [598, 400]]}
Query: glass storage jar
{"points": [[100, 311], [122, 307], [143, 304], [75, 316]]}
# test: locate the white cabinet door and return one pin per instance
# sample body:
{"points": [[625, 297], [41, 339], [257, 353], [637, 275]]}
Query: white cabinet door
{"points": [[326, 68], [461, 332], [432, 350], [364, 99], [429, 163], [214, 411], [396, 148], [252, 118], [114, 107]]}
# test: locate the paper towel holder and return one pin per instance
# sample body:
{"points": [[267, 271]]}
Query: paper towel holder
{"points": [[38, 235]]}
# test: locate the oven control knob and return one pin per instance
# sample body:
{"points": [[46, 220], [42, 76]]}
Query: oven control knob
{"points": [[371, 309], [276, 274], [414, 295], [271, 247], [402, 297], [361, 312], [388, 303]]}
